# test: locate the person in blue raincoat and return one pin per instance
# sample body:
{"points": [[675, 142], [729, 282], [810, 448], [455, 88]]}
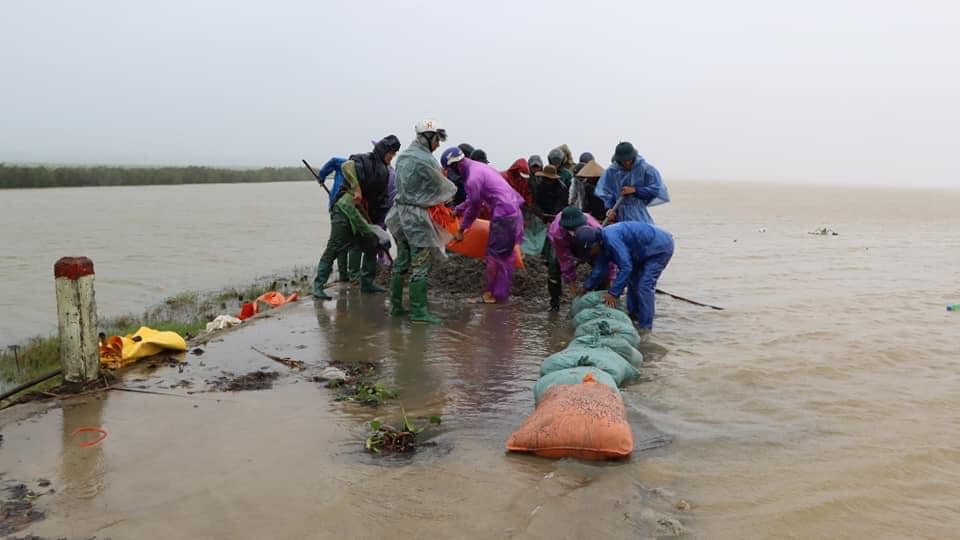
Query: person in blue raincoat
{"points": [[348, 264], [641, 251], [634, 180]]}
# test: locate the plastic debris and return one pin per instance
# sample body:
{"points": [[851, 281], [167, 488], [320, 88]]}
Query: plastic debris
{"points": [[223, 321], [272, 298], [87, 444], [334, 374]]}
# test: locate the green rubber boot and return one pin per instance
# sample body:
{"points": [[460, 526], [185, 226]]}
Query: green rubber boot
{"points": [[396, 296], [418, 304], [323, 273]]}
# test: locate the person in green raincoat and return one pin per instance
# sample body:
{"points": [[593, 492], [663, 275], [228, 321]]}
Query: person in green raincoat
{"points": [[420, 185], [363, 195]]}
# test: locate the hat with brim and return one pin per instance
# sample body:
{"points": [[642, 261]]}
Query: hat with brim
{"points": [[591, 170], [572, 218], [624, 152], [550, 171]]}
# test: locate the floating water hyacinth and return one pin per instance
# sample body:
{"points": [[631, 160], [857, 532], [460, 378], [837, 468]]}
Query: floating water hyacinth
{"points": [[823, 231]]}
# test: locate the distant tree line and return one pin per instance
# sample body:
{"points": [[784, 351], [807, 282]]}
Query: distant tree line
{"points": [[41, 177]]}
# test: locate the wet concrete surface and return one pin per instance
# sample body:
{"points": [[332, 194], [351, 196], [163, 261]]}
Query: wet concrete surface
{"points": [[288, 462]]}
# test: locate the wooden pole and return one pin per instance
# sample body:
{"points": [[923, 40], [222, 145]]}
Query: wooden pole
{"points": [[77, 319]]}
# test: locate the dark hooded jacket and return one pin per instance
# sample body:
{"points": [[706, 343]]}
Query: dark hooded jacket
{"points": [[551, 196], [374, 177]]}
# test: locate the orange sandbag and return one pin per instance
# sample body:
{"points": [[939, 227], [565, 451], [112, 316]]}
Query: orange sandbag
{"points": [[586, 421], [272, 298], [474, 243], [276, 299]]}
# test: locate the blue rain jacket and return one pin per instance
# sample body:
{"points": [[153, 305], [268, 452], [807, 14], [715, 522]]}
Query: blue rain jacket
{"points": [[628, 245], [643, 177], [332, 166]]}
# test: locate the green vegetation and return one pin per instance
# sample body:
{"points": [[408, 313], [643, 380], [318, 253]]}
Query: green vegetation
{"points": [[20, 363], [12, 176], [384, 439], [372, 394]]}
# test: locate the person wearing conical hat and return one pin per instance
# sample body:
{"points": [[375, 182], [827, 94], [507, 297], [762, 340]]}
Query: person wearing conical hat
{"points": [[588, 176]]}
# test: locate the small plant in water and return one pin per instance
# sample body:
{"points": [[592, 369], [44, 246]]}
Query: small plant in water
{"points": [[369, 394], [384, 439]]}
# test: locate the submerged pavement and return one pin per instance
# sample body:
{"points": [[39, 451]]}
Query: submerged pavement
{"points": [[288, 462]]}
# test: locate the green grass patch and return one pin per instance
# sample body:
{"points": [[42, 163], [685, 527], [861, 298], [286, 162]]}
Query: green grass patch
{"points": [[34, 358]]}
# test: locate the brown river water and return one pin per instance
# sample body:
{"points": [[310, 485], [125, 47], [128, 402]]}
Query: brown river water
{"points": [[821, 403]]}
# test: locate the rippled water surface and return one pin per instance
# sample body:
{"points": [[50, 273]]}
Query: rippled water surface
{"points": [[821, 403]]}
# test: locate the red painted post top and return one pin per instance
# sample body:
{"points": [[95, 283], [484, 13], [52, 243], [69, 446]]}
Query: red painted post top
{"points": [[73, 268]]}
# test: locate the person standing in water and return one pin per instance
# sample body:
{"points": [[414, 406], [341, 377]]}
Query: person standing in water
{"points": [[420, 186], [633, 181], [641, 251], [486, 187], [364, 193]]}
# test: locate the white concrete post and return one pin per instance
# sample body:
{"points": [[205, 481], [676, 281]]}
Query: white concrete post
{"points": [[77, 319]]}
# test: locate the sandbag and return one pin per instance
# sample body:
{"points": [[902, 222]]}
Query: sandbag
{"points": [[600, 312], [534, 236], [571, 376], [615, 343], [118, 352], [589, 300], [475, 239], [585, 421], [598, 357], [609, 327]]}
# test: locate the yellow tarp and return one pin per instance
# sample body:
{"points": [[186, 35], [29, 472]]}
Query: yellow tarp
{"points": [[118, 352]]}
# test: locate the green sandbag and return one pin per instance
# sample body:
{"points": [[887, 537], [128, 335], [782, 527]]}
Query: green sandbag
{"points": [[616, 343], [534, 236], [600, 312], [572, 376], [598, 357], [589, 300], [609, 327]]}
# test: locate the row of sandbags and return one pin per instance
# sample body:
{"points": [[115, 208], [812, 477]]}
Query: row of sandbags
{"points": [[579, 410]]}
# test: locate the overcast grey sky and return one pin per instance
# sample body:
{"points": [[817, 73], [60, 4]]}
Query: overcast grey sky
{"points": [[825, 91]]}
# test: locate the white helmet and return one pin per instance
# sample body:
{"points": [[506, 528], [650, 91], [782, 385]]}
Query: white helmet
{"points": [[431, 126]]}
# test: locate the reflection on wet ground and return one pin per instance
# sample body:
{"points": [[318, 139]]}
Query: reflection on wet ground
{"points": [[289, 462]]}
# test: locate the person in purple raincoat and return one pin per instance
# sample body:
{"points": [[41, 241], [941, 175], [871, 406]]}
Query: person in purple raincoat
{"points": [[486, 187]]}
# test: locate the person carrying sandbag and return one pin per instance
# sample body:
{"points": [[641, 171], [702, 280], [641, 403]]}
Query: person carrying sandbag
{"points": [[641, 251], [486, 187]]}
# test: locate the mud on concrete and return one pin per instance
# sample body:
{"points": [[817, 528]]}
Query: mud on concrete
{"points": [[255, 380], [16, 507]]}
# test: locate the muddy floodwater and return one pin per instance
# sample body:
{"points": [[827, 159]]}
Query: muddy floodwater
{"points": [[821, 403]]}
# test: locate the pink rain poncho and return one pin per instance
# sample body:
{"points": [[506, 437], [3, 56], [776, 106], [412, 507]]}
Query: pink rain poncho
{"points": [[486, 187]]}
